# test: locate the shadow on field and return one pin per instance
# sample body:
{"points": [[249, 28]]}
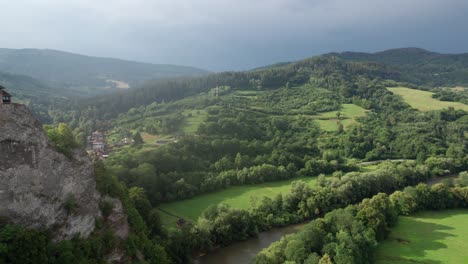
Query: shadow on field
{"points": [[410, 251], [236, 196], [193, 207], [446, 213]]}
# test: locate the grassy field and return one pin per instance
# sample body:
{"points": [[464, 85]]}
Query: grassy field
{"points": [[430, 237], [423, 100], [247, 93], [349, 112], [148, 138], [193, 121], [237, 196], [151, 141], [458, 89], [369, 168]]}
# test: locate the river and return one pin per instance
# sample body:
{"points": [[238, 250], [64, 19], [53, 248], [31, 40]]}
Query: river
{"points": [[436, 180], [243, 252]]}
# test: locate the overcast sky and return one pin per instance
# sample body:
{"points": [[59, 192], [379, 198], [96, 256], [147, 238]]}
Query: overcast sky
{"points": [[232, 34]]}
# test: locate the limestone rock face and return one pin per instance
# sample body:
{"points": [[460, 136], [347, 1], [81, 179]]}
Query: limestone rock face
{"points": [[117, 219], [36, 181]]}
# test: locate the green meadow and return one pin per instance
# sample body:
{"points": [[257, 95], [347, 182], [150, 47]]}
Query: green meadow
{"points": [[432, 237], [237, 196], [193, 120], [423, 101], [328, 121]]}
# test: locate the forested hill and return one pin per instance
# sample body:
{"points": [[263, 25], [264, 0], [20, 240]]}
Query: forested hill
{"points": [[351, 80], [85, 73], [336, 74], [419, 66], [25, 88], [400, 56]]}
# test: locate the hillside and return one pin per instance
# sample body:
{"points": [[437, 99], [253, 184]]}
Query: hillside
{"points": [[37, 95], [23, 87], [400, 56], [307, 118], [85, 73], [419, 66], [331, 70], [325, 72]]}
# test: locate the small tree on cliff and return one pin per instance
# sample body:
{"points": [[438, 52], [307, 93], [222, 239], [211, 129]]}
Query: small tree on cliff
{"points": [[62, 137]]}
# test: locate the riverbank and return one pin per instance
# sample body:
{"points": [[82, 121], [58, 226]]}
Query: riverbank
{"points": [[245, 251]]}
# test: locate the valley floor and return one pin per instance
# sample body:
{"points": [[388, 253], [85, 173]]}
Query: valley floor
{"points": [[433, 237], [237, 196]]}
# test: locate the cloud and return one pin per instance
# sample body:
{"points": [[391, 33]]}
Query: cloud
{"points": [[231, 34]]}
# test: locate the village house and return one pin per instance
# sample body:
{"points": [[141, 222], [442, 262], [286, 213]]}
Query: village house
{"points": [[98, 141], [6, 97]]}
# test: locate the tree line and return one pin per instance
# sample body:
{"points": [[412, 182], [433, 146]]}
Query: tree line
{"points": [[221, 225], [350, 235]]}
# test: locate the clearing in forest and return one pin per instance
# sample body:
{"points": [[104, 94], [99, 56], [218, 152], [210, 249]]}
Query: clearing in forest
{"points": [[423, 101], [458, 89], [328, 121], [148, 138], [427, 237], [236, 196], [193, 119]]}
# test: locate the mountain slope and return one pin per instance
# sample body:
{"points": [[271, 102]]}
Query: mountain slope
{"points": [[419, 66], [318, 68], [393, 56], [76, 71], [24, 87]]}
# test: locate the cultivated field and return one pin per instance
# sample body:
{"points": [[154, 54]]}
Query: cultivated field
{"points": [[423, 100], [237, 196], [430, 237]]}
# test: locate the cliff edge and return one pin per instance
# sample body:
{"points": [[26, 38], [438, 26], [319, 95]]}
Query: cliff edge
{"points": [[39, 186]]}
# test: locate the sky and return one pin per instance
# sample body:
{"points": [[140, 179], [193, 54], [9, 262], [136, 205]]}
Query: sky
{"points": [[220, 35]]}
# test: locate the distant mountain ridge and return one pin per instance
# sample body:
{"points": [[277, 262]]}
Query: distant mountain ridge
{"points": [[418, 66], [413, 66], [80, 72], [23, 86], [400, 56], [392, 57]]}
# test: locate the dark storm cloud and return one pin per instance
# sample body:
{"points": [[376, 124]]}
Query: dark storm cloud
{"points": [[232, 34]]}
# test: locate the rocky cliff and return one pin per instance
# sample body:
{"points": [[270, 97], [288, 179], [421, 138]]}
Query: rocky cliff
{"points": [[38, 185]]}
